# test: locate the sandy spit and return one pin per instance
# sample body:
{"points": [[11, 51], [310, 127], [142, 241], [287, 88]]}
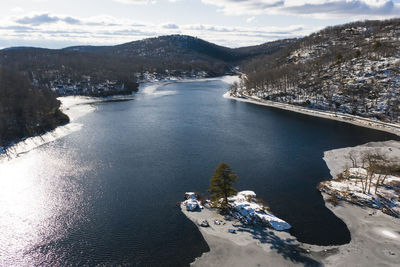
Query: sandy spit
{"points": [[375, 242], [375, 238], [249, 246]]}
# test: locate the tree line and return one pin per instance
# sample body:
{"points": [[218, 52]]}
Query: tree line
{"points": [[25, 110]]}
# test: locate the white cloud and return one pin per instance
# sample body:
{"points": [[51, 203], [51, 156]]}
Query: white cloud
{"points": [[46, 19], [136, 2], [239, 7], [251, 19], [318, 8], [17, 10], [61, 30], [170, 26]]}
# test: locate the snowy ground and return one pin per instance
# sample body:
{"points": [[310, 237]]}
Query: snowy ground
{"points": [[375, 241], [338, 161], [385, 198], [245, 207], [249, 210], [250, 245], [375, 238]]}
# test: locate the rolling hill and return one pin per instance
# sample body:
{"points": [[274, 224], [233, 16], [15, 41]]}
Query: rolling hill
{"points": [[352, 68]]}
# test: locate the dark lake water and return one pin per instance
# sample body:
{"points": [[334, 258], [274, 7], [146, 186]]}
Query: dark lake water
{"points": [[106, 195]]}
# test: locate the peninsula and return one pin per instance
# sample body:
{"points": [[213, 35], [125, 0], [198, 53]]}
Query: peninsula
{"points": [[241, 238]]}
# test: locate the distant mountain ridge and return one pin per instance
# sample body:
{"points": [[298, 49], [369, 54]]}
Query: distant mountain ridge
{"points": [[19, 48], [171, 55], [185, 46]]}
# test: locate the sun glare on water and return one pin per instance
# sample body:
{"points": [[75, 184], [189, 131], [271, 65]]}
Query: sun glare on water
{"points": [[38, 203]]}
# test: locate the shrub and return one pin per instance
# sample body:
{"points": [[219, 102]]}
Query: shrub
{"points": [[333, 200]]}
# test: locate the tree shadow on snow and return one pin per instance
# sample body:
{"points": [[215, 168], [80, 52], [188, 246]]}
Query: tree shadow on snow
{"points": [[285, 247]]}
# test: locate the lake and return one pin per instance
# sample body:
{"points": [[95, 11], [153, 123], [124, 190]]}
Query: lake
{"points": [[107, 194]]}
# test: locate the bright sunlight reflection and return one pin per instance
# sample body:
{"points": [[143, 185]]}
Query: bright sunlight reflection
{"points": [[35, 191]]}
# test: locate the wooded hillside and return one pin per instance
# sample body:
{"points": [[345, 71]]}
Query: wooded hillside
{"points": [[25, 110], [352, 68]]}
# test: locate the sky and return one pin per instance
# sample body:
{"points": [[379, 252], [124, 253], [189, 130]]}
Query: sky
{"points": [[232, 23]]}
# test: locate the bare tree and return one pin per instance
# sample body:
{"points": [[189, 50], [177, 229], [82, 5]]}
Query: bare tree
{"points": [[376, 164]]}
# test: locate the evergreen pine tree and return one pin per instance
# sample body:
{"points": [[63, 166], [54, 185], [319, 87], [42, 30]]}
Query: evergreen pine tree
{"points": [[221, 185]]}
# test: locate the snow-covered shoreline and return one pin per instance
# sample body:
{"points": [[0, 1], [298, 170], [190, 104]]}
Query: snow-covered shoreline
{"points": [[355, 120], [349, 171], [74, 107], [375, 236], [337, 159]]}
